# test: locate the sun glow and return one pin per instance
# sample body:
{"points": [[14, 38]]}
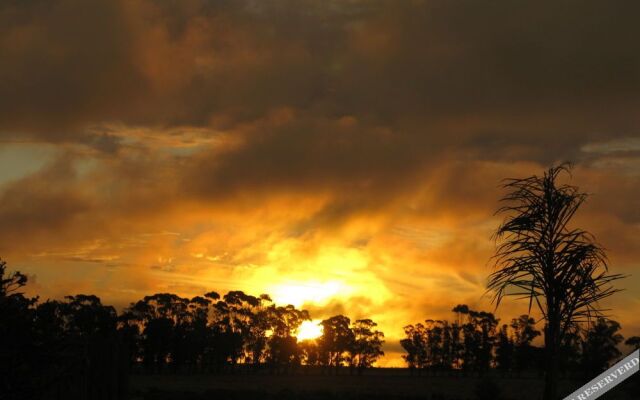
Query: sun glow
{"points": [[309, 330], [298, 294]]}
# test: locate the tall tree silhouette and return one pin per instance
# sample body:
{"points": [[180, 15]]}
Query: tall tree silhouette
{"points": [[504, 349], [283, 346], [570, 349], [600, 345], [540, 257], [467, 343], [415, 346], [337, 338], [366, 346], [524, 332], [162, 316], [17, 344], [252, 316]]}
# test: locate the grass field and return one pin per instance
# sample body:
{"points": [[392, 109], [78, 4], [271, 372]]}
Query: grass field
{"points": [[376, 384]]}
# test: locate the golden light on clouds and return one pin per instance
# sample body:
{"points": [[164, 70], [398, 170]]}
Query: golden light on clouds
{"points": [[299, 294], [296, 273]]}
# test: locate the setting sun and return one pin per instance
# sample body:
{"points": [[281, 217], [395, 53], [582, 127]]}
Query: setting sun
{"points": [[309, 330]]}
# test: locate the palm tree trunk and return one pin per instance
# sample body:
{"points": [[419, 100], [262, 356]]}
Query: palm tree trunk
{"points": [[551, 378], [551, 341]]}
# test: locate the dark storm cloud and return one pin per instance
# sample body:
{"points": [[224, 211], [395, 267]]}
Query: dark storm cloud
{"points": [[64, 64], [303, 153], [499, 73], [42, 206], [74, 199], [364, 102]]}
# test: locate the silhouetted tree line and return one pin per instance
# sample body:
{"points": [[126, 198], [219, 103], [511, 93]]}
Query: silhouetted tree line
{"points": [[214, 333], [356, 346], [476, 342], [79, 348]]}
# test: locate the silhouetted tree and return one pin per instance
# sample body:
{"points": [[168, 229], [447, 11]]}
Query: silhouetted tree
{"points": [[486, 323], [560, 269], [504, 350], [434, 333], [450, 340], [524, 332], [479, 338], [283, 345], [600, 345], [129, 330], [248, 317], [196, 332], [366, 346], [336, 340], [90, 328], [570, 350], [457, 344], [226, 337], [79, 349], [10, 284], [415, 346], [469, 343], [159, 315], [18, 348]]}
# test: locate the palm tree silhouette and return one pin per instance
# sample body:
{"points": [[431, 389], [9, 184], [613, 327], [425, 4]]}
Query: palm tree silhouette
{"points": [[541, 258]]}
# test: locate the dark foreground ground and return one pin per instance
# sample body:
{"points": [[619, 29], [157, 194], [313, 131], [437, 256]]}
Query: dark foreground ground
{"points": [[375, 385]]}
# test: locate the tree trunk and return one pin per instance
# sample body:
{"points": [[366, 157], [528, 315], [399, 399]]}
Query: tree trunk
{"points": [[551, 341], [551, 378]]}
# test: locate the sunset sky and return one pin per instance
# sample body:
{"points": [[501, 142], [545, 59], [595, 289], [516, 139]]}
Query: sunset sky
{"points": [[341, 155]]}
